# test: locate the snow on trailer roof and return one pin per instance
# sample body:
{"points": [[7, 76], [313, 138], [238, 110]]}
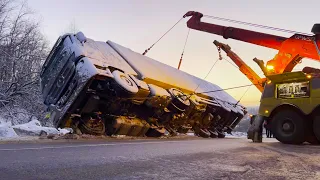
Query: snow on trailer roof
{"points": [[148, 68], [104, 55]]}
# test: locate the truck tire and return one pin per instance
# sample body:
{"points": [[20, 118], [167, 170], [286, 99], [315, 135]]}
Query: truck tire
{"points": [[221, 134], [316, 126], [289, 127], [155, 132], [204, 133], [124, 85], [213, 134], [179, 102], [312, 139], [87, 127]]}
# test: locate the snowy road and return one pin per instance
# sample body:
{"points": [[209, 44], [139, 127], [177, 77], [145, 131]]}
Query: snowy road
{"points": [[159, 159]]}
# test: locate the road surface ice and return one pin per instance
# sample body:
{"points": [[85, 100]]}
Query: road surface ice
{"points": [[189, 158]]}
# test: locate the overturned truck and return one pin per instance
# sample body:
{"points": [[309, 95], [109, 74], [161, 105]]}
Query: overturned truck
{"points": [[100, 88]]}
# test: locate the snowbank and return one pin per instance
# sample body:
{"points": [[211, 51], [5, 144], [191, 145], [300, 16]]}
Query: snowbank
{"points": [[32, 128], [6, 130], [237, 134]]}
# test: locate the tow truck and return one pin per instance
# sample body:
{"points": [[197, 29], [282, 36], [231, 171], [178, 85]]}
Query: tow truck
{"points": [[289, 104]]}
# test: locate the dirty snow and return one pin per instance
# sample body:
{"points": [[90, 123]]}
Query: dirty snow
{"points": [[32, 128], [6, 130]]}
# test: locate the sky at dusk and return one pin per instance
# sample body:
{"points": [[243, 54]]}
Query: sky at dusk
{"points": [[137, 24]]}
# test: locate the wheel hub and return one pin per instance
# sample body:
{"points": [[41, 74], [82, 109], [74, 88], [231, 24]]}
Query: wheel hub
{"points": [[126, 80], [288, 127]]}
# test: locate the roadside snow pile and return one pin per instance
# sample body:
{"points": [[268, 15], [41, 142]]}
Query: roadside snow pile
{"points": [[237, 134], [6, 130], [32, 128]]}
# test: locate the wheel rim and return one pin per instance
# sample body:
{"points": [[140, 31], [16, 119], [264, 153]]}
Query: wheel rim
{"points": [[126, 80], [288, 126], [181, 97]]}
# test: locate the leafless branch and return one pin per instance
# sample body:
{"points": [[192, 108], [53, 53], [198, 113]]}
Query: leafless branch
{"points": [[22, 50]]}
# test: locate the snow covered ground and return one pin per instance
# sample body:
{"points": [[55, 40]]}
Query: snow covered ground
{"points": [[21, 131], [237, 134]]}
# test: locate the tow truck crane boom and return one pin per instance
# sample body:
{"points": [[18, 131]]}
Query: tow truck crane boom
{"points": [[291, 50], [243, 67], [289, 104]]}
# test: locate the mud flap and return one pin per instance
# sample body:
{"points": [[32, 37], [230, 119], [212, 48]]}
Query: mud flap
{"points": [[255, 130]]}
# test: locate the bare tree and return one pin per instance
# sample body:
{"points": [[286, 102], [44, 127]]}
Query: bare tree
{"points": [[22, 51], [72, 27]]}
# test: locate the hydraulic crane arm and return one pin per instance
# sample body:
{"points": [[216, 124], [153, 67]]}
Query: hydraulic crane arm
{"points": [[243, 67], [291, 50]]}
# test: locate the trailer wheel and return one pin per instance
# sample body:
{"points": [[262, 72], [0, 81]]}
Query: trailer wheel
{"points": [[124, 85], [316, 126], [204, 133], [155, 132], [289, 127], [221, 134], [92, 126], [179, 102], [213, 134]]}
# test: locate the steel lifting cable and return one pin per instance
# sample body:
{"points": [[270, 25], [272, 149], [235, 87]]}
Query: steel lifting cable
{"points": [[220, 58], [248, 86], [236, 87], [194, 92], [259, 73], [145, 52], [243, 95], [231, 63], [255, 25], [184, 47]]}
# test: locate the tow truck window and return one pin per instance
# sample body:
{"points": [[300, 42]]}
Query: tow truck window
{"points": [[315, 83], [293, 90]]}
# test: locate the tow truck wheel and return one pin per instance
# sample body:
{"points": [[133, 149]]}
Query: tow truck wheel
{"points": [[289, 127], [316, 126], [312, 140]]}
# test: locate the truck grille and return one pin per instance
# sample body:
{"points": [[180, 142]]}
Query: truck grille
{"points": [[61, 82]]}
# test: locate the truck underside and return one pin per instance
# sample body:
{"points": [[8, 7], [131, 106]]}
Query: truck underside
{"points": [[104, 107]]}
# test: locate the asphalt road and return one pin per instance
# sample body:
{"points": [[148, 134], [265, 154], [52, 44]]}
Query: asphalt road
{"points": [[159, 159]]}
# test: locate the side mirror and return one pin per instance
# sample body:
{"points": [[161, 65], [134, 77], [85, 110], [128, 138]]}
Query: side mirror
{"points": [[81, 37]]}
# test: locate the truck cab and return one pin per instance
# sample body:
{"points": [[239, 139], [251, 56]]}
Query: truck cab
{"points": [[289, 106]]}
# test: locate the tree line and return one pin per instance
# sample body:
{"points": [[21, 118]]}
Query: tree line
{"points": [[23, 49]]}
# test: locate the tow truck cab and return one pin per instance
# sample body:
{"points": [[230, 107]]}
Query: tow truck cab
{"points": [[289, 106]]}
